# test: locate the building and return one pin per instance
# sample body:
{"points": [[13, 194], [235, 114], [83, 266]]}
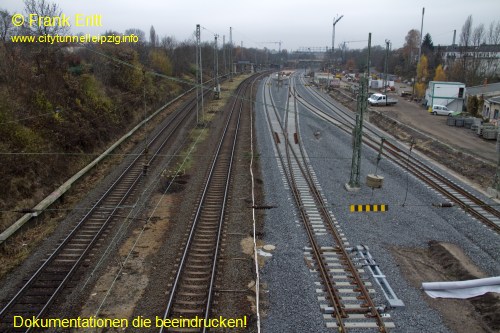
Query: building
{"points": [[491, 109], [485, 90], [324, 79], [490, 93], [243, 66], [449, 94], [485, 57]]}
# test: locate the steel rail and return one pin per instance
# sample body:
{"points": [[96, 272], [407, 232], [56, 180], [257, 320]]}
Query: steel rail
{"points": [[196, 219], [329, 284], [172, 125], [224, 202], [56, 194], [374, 313], [418, 168], [333, 295]]}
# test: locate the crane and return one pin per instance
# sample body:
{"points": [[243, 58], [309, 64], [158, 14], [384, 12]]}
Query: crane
{"points": [[333, 32], [343, 48], [351, 41], [279, 43]]}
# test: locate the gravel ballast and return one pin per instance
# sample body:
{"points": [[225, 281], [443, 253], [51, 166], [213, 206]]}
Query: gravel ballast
{"points": [[412, 221], [291, 299]]}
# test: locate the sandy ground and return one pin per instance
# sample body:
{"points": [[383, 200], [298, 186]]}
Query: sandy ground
{"points": [[119, 289], [460, 138], [458, 150], [443, 262]]}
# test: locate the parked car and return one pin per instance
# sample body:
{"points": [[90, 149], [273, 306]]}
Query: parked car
{"points": [[440, 110]]}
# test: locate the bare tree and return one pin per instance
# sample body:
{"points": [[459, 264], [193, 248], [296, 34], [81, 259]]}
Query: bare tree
{"points": [[141, 47], [465, 43], [138, 32], [44, 8], [497, 33], [466, 34], [5, 24], [412, 42], [493, 34], [474, 62], [152, 36], [478, 35], [169, 44]]}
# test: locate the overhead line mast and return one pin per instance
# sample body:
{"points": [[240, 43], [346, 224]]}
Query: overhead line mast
{"points": [[199, 77], [354, 185], [230, 54], [216, 65]]}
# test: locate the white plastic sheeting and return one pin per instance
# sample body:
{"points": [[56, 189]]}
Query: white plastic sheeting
{"points": [[462, 289]]}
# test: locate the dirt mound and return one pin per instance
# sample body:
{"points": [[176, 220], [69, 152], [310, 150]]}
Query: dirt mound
{"points": [[447, 262], [174, 184], [458, 267], [470, 167]]}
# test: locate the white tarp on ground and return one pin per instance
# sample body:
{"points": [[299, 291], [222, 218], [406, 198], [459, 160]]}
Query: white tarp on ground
{"points": [[462, 289]]}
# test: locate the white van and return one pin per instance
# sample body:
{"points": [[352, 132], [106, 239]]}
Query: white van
{"points": [[440, 110]]}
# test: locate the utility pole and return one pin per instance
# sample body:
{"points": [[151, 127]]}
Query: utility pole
{"points": [[145, 166], [230, 54], [421, 36], [224, 53], [496, 182], [197, 71], [200, 71], [333, 49], [216, 71], [419, 50], [357, 133], [241, 51], [387, 43], [494, 190]]}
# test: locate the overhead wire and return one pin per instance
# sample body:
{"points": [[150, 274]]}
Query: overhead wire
{"points": [[248, 38], [204, 28], [327, 158], [119, 272], [27, 118], [336, 206], [154, 73], [192, 83], [260, 156]]}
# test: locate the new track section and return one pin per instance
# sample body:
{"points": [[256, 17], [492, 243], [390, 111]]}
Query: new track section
{"points": [[344, 294], [394, 151]]}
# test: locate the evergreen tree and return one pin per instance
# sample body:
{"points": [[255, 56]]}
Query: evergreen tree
{"points": [[427, 44]]}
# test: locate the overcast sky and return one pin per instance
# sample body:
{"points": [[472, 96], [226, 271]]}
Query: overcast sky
{"points": [[305, 23]]}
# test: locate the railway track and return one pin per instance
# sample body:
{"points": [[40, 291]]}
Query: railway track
{"points": [[192, 290], [469, 202], [344, 294], [57, 271]]}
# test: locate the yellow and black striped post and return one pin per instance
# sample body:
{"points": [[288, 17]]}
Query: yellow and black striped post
{"points": [[369, 208]]}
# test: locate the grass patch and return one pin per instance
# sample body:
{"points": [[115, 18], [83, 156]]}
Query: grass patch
{"points": [[17, 248]]}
